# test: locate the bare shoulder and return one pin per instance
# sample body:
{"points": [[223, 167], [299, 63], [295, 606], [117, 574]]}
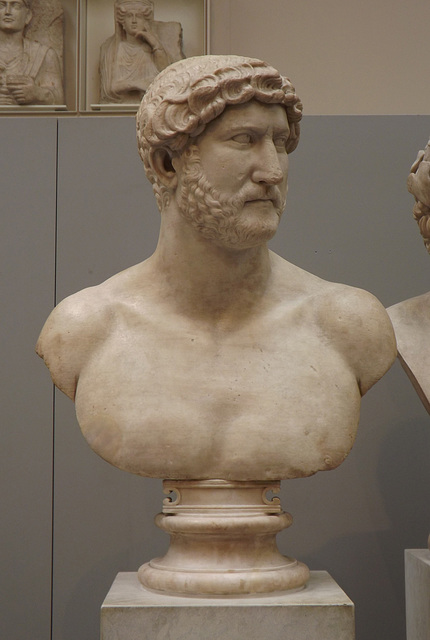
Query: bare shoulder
{"points": [[81, 323], [411, 313], [350, 320], [71, 334], [411, 322], [359, 325]]}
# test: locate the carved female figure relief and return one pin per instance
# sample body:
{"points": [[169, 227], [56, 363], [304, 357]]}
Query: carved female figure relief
{"points": [[140, 48]]}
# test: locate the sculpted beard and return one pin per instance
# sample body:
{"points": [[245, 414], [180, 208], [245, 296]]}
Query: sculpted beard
{"points": [[221, 218]]}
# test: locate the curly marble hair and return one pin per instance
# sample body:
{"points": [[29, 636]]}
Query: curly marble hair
{"points": [[418, 184], [422, 216], [189, 94]]}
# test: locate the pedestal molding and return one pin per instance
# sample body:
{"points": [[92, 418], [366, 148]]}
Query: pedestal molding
{"points": [[222, 541]]}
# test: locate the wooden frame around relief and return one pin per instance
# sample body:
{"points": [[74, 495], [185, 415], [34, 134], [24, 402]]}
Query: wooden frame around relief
{"points": [[97, 24]]}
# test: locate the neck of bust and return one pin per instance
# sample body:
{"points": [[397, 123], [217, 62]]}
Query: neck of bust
{"points": [[12, 39], [206, 277]]}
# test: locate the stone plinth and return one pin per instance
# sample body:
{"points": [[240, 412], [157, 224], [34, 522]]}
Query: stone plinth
{"points": [[222, 541], [417, 579], [320, 611]]}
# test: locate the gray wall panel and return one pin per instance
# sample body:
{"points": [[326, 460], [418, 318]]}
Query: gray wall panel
{"points": [[107, 221], [348, 218], [27, 187]]}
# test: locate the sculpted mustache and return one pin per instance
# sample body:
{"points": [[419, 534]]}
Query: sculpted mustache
{"points": [[272, 193]]}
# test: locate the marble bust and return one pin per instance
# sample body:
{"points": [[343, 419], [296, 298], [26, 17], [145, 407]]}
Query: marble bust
{"points": [[411, 318], [216, 358], [140, 48], [30, 71], [214, 339]]}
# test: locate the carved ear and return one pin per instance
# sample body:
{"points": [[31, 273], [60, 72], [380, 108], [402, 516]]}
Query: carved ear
{"points": [[29, 17], [162, 165]]}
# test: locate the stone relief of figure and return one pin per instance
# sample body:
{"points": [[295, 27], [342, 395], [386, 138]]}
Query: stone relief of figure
{"points": [[216, 358], [30, 69], [140, 48]]}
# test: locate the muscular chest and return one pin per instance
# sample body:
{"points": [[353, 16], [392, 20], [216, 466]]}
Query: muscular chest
{"points": [[268, 363], [243, 402]]}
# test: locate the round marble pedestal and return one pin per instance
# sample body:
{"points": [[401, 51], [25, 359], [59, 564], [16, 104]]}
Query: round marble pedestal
{"points": [[222, 541]]}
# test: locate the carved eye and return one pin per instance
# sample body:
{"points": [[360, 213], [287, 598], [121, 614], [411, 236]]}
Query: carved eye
{"points": [[242, 138], [280, 142]]}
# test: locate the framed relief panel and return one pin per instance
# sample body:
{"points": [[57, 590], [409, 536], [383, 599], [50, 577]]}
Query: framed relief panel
{"points": [[125, 43], [38, 52]]}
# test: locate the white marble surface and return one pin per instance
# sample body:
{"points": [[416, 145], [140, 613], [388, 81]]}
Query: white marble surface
{"points": [[222, 541], [411, 318], [321, 590], [320, 611], [215, 340], [417, 580], [216, 358]]}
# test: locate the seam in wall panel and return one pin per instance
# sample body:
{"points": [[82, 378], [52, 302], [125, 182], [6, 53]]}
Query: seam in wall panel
{"points": [[53, 388]]}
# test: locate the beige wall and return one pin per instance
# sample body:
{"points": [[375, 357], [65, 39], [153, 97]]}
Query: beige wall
{"points": [[343, 56]]}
